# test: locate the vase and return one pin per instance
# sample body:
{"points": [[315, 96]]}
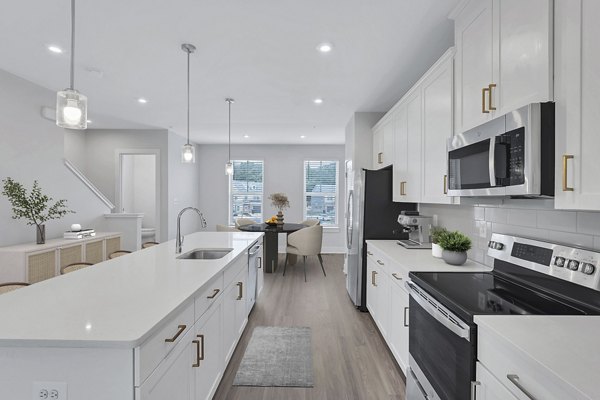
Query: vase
{"points": [[279, 218], [454, 257], [40, 234], [436, 250]]}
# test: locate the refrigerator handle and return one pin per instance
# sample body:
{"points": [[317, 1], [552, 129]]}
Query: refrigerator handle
{"points": [[349, 226]]}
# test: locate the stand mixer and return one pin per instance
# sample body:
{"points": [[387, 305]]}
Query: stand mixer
{"points": [[417, 227]]}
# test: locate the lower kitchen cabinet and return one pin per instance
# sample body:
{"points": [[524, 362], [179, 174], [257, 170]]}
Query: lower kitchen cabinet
{"points": [[487, 387], [208, 346], [235, 312], [398, 334]]}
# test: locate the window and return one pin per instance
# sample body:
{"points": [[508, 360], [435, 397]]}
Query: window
{"points": [[320, 191], [246, 190]]}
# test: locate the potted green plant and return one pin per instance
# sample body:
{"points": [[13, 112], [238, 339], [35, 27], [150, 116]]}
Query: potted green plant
{"points": [[455, 246], [436, 233], [281, 202], [34, 206]]}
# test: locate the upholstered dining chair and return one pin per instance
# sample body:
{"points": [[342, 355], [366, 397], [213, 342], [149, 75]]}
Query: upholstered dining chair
{"points": [[311, 222], [74, 267], [10, 286], [227, 228], [244, 221], [145, 245], [305, 242], [118, 253]]}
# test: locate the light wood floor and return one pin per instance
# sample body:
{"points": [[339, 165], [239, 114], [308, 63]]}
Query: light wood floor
{"points": [[351, 361]]}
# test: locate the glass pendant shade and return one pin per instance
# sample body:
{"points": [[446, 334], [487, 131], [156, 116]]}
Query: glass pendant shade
{"points": [[229, 168], [71, 109], [188, 154]]}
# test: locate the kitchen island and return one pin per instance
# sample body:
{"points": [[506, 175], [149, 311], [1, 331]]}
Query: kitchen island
{"points": [[139, 326]]}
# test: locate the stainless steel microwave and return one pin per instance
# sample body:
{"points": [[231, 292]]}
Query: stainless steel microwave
{"points": [[512, 155]]}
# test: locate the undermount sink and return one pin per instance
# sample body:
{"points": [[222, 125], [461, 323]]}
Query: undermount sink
{"points": [[205, 254]]}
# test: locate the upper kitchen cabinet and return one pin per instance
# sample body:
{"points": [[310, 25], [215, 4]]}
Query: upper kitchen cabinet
{"points": [[577, 85], [383, 143], [503, 58], [437, 129], [410, 178]]}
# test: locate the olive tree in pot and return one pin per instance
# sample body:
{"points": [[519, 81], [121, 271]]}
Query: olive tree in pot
{"points": [[34, 207], [455, 246], [436, 233]]}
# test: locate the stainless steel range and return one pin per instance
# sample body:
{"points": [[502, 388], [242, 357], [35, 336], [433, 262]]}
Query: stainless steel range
{"points": [[529, 277]]}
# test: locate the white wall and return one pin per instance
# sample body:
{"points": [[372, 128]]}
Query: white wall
{"points": [[535, 218], [32, 148], [283, 173], [184, 181], [139, 186]]}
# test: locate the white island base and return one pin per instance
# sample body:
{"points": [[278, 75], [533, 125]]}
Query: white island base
{"points": [[146, 326]]}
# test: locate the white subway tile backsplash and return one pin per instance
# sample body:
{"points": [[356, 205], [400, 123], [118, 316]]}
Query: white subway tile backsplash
{"points": [[522, 217], [571, 238], [479, 213], [588, 222], [524, 231], [493, 214], [597, 242], [564, 221]]}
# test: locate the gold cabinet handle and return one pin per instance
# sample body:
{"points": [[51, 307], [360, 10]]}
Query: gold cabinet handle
{"points": [[240, 286], [483, 110], [369, 253], [395, 275], [380, 262], [199, 349], [215, 293], [491, 86], [405, 323], [379, 158], [445, 184], [373, 273], [180, 328], [565, 186], [402, 188]]}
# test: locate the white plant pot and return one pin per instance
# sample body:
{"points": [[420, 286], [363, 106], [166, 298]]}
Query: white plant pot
{"points": [[436, 250], [454, 257]]}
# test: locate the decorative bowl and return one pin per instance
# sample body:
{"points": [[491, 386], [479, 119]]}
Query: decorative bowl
{"points": [[271, 223]]}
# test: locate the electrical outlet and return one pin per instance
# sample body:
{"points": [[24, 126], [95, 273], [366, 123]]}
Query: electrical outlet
{"points": [[49, 391]]}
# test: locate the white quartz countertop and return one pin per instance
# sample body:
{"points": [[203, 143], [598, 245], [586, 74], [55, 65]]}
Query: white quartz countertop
{"points": [[116, 303], [566, 346], [416, 260]]}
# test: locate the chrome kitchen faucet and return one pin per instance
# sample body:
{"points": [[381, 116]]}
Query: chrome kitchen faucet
{"points": [[179, 238]]}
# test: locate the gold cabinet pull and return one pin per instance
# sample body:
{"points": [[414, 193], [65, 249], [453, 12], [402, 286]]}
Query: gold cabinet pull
{"points": [[565, 186], [373, 273], [369, 253], [483, 110], [445, 184], [240, 286], [199, 349], [491, 86], [180, 328], [379, 158], [402, 188], [395, 275], [380, 262], [215, 293], [405, 323]]}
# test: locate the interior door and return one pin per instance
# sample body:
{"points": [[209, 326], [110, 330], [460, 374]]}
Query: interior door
{"points": [[474, 64]]}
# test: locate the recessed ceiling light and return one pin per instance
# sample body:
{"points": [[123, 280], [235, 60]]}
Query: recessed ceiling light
{"points": [[246, 136], [318, 101], [302, 137], [325, 47], [55, 49], [142, 100]]}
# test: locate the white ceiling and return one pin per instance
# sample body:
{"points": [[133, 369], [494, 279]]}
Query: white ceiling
{"points": [[260, 52]]}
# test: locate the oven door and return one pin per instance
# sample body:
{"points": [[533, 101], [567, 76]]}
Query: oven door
{"points": [[442, 348]]}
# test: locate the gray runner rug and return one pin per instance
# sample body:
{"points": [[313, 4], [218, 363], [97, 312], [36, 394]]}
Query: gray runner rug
{"points": [[277, 356]]}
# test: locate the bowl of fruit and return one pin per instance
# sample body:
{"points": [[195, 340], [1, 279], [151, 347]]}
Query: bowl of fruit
{"points": [[271, 221]]}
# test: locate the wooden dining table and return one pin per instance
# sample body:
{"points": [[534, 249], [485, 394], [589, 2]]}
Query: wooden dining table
{"points": [[271, 240]]}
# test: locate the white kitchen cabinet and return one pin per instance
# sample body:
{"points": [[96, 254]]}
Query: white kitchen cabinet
{"points": [[372, 298], [407, 174], [378, 294], [208, 345], [487, 387], [260, 276], [383, 144], [577, 62], [235, 312], [400, 150], [503, 58], [437, 129], [174, 377], [398, 338]]}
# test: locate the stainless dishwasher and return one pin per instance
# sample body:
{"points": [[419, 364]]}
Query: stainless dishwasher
{"points": [[254, 262]]}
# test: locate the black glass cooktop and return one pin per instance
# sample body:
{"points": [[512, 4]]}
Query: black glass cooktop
{"points": [[468, 294]]}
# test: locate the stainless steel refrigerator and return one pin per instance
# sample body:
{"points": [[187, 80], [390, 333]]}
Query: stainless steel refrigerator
{"points": [[370, 214]]}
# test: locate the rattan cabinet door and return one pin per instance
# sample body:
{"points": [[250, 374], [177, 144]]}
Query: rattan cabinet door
{"points": [[70, 255], [41, 266], [94, 252]]}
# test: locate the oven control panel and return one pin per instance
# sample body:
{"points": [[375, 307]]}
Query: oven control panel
{"points": [[577, 265]]}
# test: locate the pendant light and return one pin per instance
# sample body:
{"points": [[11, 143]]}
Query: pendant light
{"points": [[71, 106], [188, 151], [229, 164]]}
